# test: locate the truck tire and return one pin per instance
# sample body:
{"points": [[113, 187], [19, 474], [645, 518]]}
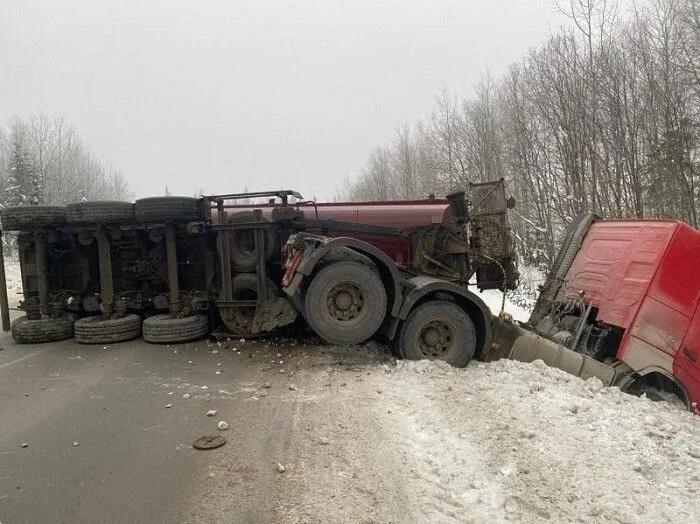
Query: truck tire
{"points": [[18, 218], [100, 330], [35, 331], [438, 330], [169, 208], [162, 329], [244, 286], [100, 212], [243, 255], [345, 303]]}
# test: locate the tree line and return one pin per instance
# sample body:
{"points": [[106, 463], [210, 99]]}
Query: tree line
{"points": [[604, 117], [43, 160]]}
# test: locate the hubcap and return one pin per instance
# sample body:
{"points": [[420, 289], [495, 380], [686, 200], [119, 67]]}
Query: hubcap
{"points": [[436, 339], [345, 301]]}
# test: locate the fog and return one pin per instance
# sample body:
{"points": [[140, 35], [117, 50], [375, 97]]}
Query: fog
{"points": [[226, 95]]}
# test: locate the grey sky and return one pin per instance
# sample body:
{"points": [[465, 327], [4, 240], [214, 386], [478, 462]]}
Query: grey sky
{"points": [[224, 95]]}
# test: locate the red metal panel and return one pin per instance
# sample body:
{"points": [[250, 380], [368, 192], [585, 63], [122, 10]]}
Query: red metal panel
{"points": [[415, 213], [677, 281], [616, 264], [660, 325], [686, 366]]}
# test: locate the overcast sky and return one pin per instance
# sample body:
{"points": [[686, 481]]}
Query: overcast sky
{"points": [[222, 95]]}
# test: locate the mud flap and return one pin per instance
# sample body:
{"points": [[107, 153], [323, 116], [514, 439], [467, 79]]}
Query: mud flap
{"points": [[529, 347]]}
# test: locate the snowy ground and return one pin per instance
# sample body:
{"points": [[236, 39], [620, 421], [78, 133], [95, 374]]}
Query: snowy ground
{"points": [[361, 437], [373, 440]]}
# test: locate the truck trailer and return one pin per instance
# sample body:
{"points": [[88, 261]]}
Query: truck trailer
{"points": [[176, 268]]}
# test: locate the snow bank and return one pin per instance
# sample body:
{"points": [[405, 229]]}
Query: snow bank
{"points": [[513, 441]]}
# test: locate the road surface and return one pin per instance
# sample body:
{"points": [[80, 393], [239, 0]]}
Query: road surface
{"points": [[324, 434]]}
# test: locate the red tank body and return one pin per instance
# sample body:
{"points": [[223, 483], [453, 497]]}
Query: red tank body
{"points": [[338, 218]]}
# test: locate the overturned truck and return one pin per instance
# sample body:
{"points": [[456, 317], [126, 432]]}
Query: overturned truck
{"points": [[174, 269], [622, 303]]}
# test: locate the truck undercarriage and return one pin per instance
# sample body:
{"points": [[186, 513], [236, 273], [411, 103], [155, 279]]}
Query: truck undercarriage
{"points": [[176, 268]]}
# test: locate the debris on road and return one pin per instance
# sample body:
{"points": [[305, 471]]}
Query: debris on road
{"points": [[211, 413], [209, 442], [168, 405], [25, 444], [281, 468], [76, 443], [222, 425], [186, 395], [292, 387]]}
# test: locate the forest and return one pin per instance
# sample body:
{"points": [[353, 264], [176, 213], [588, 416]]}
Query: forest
{"points": [[603, 117], [44, 160]]}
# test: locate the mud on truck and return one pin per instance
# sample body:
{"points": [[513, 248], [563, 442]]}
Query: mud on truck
{"points": [[173, 269]]}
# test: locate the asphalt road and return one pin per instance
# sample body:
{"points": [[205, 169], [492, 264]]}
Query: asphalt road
{"points": [[103, 445]]}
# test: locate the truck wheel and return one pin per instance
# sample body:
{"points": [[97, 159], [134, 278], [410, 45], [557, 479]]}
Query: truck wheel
{"points": [[345, 303], [17, 218], [100, 330], [438, 330], [163, 209], [160, 329], [35, 331], [243, 256], [100, 212]]}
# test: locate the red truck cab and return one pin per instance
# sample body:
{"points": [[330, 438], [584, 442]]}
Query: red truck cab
{"points": [[637, 285]]}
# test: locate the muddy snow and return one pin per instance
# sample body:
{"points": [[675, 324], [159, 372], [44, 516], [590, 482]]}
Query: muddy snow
{"points": [[367, 439]]}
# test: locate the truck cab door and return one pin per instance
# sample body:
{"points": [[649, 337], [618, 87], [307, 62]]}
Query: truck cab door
{"points": [[686, 365]]}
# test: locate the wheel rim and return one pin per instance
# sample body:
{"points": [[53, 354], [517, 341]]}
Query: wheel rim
{"points": [[345, 302], [436, 339]]}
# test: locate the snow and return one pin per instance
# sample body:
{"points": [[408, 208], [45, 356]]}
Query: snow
{"points": [[515, 441], [13, 278], [493, 298], [519, 303], [420, 441], [366, 438]]}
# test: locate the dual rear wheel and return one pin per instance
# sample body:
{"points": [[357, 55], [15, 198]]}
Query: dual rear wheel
{"points": [[346, 303]]}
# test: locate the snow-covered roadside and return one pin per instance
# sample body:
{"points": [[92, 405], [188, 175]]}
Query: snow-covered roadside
{"points": [[515, 441], [501, 441]]}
